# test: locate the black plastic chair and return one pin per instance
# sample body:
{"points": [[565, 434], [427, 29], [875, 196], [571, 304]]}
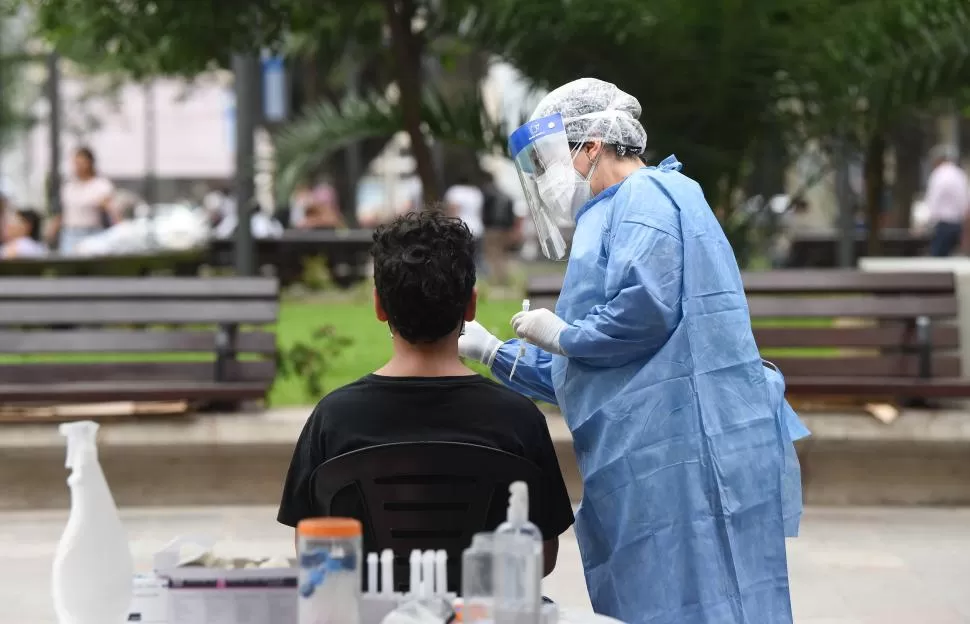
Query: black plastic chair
{"points": [[423, 495]]}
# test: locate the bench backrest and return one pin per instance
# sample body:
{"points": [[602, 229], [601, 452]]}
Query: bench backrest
{"points": [[191, 321], [837, 322]]}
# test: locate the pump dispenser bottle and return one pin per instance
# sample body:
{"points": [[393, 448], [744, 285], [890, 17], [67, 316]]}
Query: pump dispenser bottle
{"points": [[518, 563], [92, 576]]}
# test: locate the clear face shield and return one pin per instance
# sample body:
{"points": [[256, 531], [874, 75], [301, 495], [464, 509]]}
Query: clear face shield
{"points": [[544, 163]]}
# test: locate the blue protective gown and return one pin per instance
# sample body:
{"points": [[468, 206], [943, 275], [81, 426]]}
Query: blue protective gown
{"points": [[682, 434]]}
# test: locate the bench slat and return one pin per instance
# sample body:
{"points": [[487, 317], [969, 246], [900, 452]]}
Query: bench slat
{"points": [[879, 387], [875, 366], [95, 392], [793, 281], [87, 288], [53, 374], [128, 341], [122, 311], [942, 337], [861, 307]]}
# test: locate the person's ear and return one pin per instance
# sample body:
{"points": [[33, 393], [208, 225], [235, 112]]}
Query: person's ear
{"points": [[379, 309], [594, 150], [472, 306]]}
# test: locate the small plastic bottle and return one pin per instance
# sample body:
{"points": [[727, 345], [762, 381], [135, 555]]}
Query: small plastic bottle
{"points": [[93, 571], [476, 580], [518, 563], [330, 571]]}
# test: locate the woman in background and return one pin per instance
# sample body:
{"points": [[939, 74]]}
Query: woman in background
{"points": [[85, 204]]}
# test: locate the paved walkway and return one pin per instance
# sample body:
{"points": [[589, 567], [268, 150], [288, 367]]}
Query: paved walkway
{"points": [[850, 566]]}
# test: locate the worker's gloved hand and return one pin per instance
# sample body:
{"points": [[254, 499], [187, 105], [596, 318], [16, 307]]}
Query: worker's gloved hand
{"points": [[477, 343], [541, 328]]}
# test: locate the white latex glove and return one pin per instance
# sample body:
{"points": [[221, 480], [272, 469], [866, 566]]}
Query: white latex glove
{"points": [[540, 327], [477, 343]]}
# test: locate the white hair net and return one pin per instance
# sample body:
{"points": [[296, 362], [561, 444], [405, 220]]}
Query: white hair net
{"points": [[594, 109]]}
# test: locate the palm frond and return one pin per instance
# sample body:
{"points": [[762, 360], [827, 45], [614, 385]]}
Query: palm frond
{"points": [[303, 145]]}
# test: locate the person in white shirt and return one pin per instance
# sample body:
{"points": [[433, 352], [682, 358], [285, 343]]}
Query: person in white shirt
{"points": [[86, 207], [467, 202], [947, 202], [21, 231]]}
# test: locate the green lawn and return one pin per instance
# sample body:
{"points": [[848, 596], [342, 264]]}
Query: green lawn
{"points": [[371, 343]]}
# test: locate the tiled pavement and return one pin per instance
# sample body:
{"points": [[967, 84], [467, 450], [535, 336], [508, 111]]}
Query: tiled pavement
{"points": [[850, 566]]}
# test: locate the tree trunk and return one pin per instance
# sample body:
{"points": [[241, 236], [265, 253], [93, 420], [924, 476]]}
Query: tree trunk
{"points": [[407, 56], [875, 178], [767, 177], [909, 145]]}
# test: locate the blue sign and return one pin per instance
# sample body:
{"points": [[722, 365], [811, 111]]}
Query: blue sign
{"points": [[276, 96]]}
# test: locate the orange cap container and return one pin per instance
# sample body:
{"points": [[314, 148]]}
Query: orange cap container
{"points": [[329, 528]]}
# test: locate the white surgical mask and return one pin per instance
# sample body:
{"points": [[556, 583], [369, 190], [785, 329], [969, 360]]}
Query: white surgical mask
{"points": [[565, 188]]}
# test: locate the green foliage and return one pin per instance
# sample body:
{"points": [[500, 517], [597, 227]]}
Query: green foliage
{"points": [[310, 362], [872, 62], [325, 128], [316, 275], [150, 37]]}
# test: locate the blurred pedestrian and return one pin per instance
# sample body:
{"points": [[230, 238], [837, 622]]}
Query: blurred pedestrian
{"points": [[21, 235], [501, 230], [947, 202], [85, 204], [466, 201], [316, 208]]}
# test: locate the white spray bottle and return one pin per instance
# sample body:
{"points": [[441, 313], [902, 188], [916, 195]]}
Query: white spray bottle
{"points": [[92, 577]]}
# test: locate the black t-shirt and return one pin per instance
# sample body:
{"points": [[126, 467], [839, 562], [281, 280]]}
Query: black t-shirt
{"points": [[383, 410]]}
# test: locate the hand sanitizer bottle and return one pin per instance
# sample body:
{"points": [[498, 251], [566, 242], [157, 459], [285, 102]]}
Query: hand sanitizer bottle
{"points": [[92, 577], [518, 563]]}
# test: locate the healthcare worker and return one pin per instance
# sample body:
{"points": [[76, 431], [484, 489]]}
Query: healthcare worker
{"points": [[682, 432]]}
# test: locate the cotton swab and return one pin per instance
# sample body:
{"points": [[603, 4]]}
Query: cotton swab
{"points": [[427, 574], [372, 573], [525, 308], [441, 573], [415, 563], [387, 571]]}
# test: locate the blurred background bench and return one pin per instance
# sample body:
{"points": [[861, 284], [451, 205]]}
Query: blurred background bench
{"points": [[89, 340], [848, 333]]}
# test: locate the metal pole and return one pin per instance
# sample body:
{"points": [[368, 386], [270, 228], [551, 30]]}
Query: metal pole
{"points": [[247, 97], [352, 154], [843, 194], [54, 143], [151, 151]]}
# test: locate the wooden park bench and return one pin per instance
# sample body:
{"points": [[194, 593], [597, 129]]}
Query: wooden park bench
{"points": [[94, 340], [849, 333]]}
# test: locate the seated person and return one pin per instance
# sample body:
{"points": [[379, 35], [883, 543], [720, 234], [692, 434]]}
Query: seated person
{"points": [[21, 236], [424, 272]]}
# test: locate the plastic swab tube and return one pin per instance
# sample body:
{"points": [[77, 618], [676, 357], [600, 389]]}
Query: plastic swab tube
{"points": [[415, 563], [525, 308], [427, 574], [372, 573], [387, 571], [441, 573]]}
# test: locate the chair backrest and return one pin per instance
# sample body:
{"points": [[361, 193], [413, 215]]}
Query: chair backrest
{"points": [[423, 495]]}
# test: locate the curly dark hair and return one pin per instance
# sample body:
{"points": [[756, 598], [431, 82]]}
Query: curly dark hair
{"points": [[424, 272]]}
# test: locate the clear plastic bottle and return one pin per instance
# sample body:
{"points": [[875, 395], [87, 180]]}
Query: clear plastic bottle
{"points": [[330, 571], [93, 571], [518, 563], [476, 580]]}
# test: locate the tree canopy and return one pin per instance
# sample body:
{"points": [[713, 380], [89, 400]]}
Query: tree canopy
{"points": [[719, 81]]}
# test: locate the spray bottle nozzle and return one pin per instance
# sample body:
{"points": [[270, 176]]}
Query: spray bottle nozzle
{"points": [[80, 435]]}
